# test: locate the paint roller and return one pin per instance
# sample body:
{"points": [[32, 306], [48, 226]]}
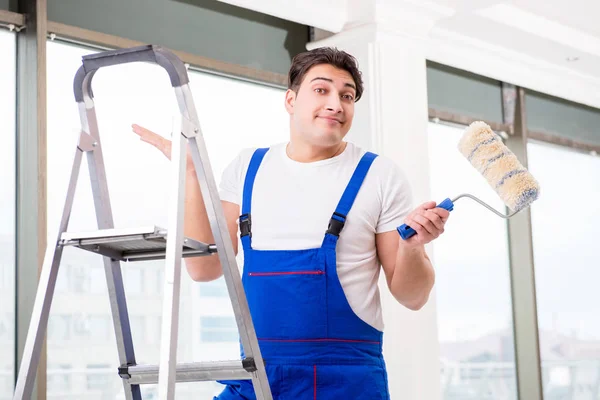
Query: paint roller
{"points": [[499, 166]]}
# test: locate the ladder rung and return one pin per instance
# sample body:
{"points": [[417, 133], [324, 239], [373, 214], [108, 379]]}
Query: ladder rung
{"points": [[138, 244], [190, 372]]}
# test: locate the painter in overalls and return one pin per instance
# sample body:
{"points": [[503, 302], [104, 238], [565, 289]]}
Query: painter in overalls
{"points": [[317, 217], [313, 344]]}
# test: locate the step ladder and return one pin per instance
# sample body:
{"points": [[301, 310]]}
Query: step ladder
{"points": [[146, 243]]}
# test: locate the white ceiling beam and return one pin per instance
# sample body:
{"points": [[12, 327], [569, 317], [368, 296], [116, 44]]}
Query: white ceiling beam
{"points": [[419, 21], [537, 25], [411, 18], [330, 15], [498, 62]]}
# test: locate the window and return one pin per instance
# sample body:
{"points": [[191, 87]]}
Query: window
{"points": [[97, 280], [135, 280], [81, 326], [59, 378], [99, 328], [213, 289], [218, 329], [98, 376], [62, 285], [7, 208], [6, 336], [5, 328], [59, 328], [566, 228], [153, 334], [473, 282], [231, 114], [138, 328], [79, 278]]}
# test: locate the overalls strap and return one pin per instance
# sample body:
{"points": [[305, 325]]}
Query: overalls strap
{"points": [[338, 219], [245, 217]]}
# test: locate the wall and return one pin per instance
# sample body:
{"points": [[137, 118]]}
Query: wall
{"points": [[203, 27]]}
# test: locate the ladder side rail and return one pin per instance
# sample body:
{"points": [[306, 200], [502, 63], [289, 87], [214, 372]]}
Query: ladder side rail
{"points": [[104, 218], [172, 284], [45, 290], [216, 217]]}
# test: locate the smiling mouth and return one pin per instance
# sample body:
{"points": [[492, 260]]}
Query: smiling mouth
{"points": [[332, 119]]}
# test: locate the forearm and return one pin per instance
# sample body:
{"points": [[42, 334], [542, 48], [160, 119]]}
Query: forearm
{"points": [[197, 226], [196, 223], [413, 276]]}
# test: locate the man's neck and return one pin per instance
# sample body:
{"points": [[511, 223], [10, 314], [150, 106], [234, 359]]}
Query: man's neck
{"points": [[305, 153]]}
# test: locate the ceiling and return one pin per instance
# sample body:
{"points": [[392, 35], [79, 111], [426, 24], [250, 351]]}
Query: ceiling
{"points": [[552, 46], [562, 32]]}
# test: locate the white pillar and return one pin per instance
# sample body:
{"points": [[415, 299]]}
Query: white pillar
{"points": [[391, 119]]}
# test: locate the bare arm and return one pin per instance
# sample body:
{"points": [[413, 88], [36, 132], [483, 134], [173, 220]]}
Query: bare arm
{"points": [[196, 225], [408, 270]]}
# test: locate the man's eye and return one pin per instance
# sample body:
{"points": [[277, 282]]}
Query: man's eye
{"points": [[320, 90], [349, 96]]}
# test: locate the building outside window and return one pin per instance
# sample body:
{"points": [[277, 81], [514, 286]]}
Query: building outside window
{"points": [[566, 228], [472, 280]]}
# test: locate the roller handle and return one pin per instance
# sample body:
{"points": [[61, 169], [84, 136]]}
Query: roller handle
{"points": [[406, 231]]}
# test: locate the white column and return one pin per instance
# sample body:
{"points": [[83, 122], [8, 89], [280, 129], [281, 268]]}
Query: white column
{"points": [[391, 119]]}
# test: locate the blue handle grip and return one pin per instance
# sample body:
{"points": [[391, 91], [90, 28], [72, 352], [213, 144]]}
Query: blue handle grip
{"points": [[406, 231]]}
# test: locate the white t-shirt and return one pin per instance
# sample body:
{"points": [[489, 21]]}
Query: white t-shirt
{"points": [[292, 204]]}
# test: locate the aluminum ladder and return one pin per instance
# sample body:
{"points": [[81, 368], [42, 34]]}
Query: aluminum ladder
{"points": [[146, 243]]}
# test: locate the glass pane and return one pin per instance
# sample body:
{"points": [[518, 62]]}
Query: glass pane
{"points": [[137, 175], [217, 323], [59, 378], [213, 289], [218, 329], [7, 212], [566, 228], [473, 281]]}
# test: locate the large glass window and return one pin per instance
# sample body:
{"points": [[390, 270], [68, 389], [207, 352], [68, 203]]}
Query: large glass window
{"points": [[231, 114], [473, 282], [218, 329], [566, 230], [7, 211]]}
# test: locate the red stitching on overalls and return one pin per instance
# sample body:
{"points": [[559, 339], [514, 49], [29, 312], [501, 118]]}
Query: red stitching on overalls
{"points": [[319, 340], [315, 382], [286, 273]]}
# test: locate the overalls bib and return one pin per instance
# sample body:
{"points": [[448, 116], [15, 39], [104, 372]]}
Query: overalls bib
{"points": [[313, 344]]}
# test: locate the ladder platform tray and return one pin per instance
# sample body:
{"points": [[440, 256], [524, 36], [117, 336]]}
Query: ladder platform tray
{"points": [[132, 244]]}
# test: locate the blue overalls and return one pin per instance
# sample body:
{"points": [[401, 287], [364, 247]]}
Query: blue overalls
{"points": [[314, 345]]}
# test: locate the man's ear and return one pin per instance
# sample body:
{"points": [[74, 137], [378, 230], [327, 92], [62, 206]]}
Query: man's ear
{"points": [[290, 100]]}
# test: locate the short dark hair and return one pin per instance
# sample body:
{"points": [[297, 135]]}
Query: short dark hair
{"points": [[302, 62]]}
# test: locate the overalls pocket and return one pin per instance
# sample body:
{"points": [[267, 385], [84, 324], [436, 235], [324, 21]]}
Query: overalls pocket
{"points": [[288, 304]]}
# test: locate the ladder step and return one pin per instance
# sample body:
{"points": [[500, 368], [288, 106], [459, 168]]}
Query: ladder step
{"points": [[191, 372], [132, 244]]}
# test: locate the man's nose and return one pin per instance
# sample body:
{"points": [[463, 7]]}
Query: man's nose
{"points": [[334, 104]]}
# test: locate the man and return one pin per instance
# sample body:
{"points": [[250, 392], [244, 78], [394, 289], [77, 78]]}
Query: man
{"points": [[317, 218]]}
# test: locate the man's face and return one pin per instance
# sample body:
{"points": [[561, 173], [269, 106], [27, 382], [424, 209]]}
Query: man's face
{"points": [[321, 111]]}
